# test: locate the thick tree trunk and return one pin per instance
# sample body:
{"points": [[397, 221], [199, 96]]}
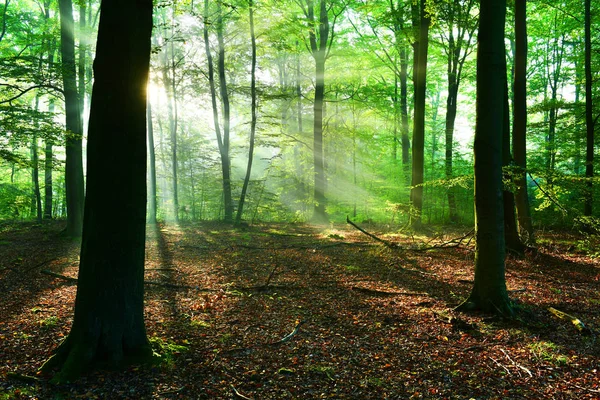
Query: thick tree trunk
{"points": [[74, 158], [520, 123], [589, 118], [108, 326], [238, 218], [489, 291], [418, 145]]}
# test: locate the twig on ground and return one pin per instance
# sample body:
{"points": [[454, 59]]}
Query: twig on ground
{"points": [[239, 395], [384, 293], [288, 337], [24, 378], [500, 365], [172, 391], [516, 364], [581, 387]]}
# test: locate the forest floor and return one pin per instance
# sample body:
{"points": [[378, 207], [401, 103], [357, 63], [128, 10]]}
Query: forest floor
{"points": [[302, 312]]}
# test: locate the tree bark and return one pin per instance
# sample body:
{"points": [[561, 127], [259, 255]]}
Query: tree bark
{"points": [[418, 145], [108, 326], [589, 118], [318, 45], [512, 241], [489, 290], [74, 157], [152, 204], [238, 218], [520, 123]]}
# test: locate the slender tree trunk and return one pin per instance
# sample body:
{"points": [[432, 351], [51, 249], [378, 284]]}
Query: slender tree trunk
{"points": [[82, 59], [35, 178], [489, 290], [152, 204], [225, 156], [520, 123], [589, 118], [238, 218], [48, 164], [511, 233], [404, 112], [108, 326], [74, 158], [168, 73], [418, 149], [222, 140]]}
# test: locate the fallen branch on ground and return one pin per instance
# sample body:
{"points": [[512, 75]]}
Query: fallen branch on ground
{"points": [[163, 284], [384, 293], [580, 326], [385, 242], [24, 378], [60, 276]]}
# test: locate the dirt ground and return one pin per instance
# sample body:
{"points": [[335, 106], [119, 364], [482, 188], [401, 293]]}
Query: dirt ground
{"points": [[305, 312]]}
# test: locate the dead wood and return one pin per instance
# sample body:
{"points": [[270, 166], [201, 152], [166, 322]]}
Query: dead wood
{"points": [[163, 284], [374, 292], [24, 378], [60, 276], [374, 237], [577, 323]]}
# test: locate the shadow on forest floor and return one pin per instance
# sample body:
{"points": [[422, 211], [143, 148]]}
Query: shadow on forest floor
{"points": [[298, 311]]}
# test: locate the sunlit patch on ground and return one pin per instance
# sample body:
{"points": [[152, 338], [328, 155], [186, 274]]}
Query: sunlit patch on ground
{"points": [[362, 320]]}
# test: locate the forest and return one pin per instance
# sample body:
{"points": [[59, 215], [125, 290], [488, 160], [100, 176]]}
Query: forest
{"points": [[268, 199]]}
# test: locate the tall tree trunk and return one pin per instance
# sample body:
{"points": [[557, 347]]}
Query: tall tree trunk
{"points": [[489, 290], [589, 118], [222, 139], [152, 203], [520, 123], [404, 112], [82, 59], [168, 72], [35, 178], [108, 325], [238, 218], [225, 156], [74, 158], [48, 163], [418, 147], [319, 47], [512, 241]]}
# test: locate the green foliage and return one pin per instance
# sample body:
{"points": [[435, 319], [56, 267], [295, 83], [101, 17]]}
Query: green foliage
{"points": [[166, 350]]}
